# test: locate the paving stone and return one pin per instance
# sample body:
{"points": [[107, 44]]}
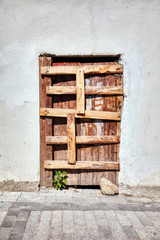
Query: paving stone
{"points": [[153, 232], [68, 236], [67, 216], [23, 216], [56, 225], [32, 225], [44, 226], [105, 232], [13, 211], [8, 221], [27, 197], [2, 215], [4, 206], [17, 230], [115, 199], [91, 224], [56, 232], [68, 229], [81, 232], [103, 226], [89, 216], [47, 194], [134, 219], [144, 219], [131, 233], [79, 218], [4, 233], [154, 219], [59, 199], [56, 218], [143, 234], [130, 207], [100, 218], [122, 218], [116, 228], [15, 194], [8, 198], [138, 200]]}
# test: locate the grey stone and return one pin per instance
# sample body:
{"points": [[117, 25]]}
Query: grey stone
{"points": [[107, 187], [105, 232], [17, 231], [23, 216], [144, 219], [8, 221], [13, 211], [4, 206], [4, 233], [131, 233], [2, 215], [32, 225]]}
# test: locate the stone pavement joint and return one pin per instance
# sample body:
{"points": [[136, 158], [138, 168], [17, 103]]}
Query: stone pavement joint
{"points": [[79, 214]]}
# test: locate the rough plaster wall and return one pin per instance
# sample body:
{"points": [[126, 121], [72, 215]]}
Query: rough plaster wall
{"points": [[31, 27]]}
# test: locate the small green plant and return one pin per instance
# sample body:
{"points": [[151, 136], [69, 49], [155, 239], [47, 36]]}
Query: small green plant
{"points": [[60, 179]]}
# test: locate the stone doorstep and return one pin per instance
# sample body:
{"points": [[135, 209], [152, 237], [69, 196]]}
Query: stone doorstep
{"points": [[124, 190]]}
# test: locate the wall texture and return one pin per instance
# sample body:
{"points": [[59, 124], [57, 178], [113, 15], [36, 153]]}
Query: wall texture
{"points": [[80, 27]]}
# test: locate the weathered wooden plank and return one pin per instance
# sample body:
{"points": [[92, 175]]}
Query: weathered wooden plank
{"points": [[71, 138], [90, 165], [50, 112], [90, 90], [87, 69], [103, 90], [59, 90], [119, 104], [84, 139], [80, 92], [46, 176]]}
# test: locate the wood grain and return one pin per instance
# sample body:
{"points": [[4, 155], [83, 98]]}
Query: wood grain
{"points": [[84, 139], [90, 165], [90, 90], [46, 176], [71, 138], [50, 112], [80, 92], [87, 69]]}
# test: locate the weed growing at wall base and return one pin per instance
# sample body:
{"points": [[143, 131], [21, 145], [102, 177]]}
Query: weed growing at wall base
{"points": [[60, 179]]}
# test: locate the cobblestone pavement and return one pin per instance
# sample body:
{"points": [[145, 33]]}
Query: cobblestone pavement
{"points": [[77, 214]]}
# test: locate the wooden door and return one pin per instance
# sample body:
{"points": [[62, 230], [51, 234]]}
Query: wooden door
{"points": [[80, 114]]}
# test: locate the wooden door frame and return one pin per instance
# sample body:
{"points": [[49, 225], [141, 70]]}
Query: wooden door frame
{"points": [[47, 166]]}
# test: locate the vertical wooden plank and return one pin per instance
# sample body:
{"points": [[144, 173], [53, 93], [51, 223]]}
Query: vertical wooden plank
{"points": [[70, 80], [80, 92], [46, 176], [110, 126], [71, 139], [119, 104], [86, 128]]}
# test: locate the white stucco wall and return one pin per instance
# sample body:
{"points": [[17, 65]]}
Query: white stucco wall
{"points": [[80, 27]]}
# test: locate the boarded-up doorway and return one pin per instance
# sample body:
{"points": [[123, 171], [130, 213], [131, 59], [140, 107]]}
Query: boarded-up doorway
{"points": [[81, 100]]}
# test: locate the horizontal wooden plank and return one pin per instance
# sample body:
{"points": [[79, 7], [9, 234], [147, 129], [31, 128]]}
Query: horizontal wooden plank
{"points": [[87, 69], [88, 165], [53, 112], [102, 90], [83, 139], [61, 90]]}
